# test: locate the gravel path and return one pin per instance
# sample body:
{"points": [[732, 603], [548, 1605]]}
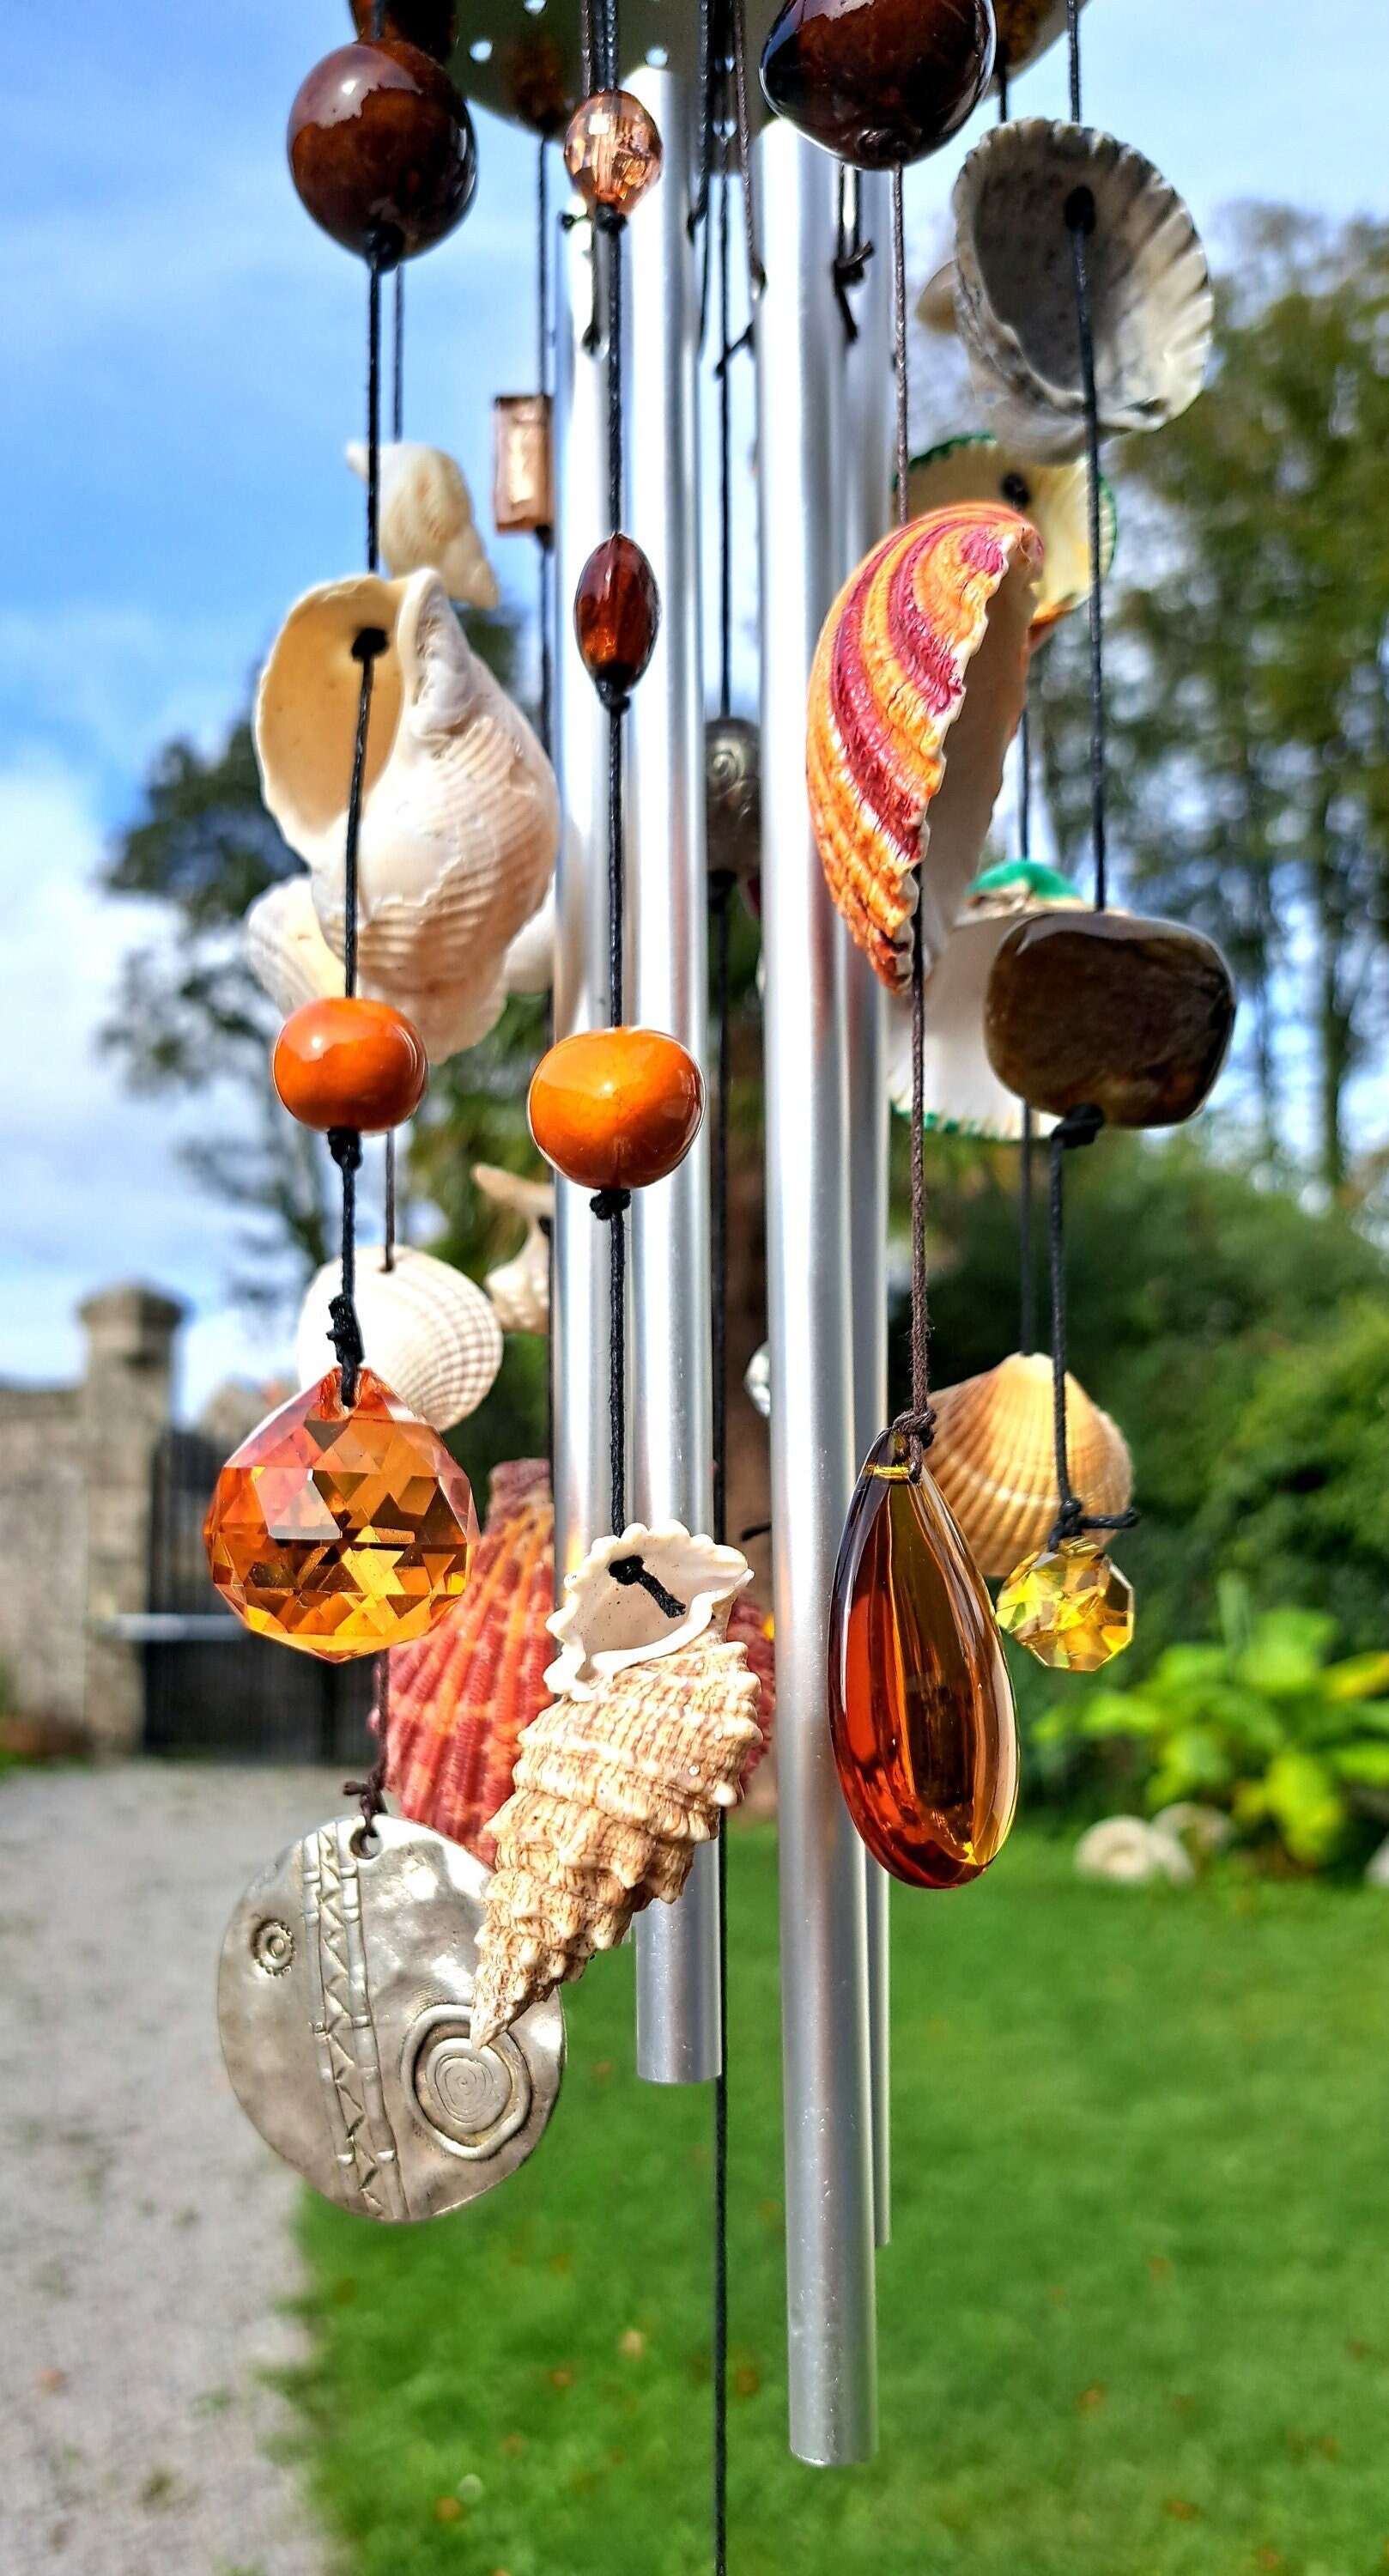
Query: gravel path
{"points": [[143, 2226]]}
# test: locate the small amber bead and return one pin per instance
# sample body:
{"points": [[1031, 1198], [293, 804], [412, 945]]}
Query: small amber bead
{"points": [[615, 1109], [882, 82], [1109, 1008], [430, 24], [612, 151], [381, 149], [348, 1062], [617, 612]]}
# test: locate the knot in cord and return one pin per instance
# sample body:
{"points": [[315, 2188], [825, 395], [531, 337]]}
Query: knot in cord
{"points": [[919, 1428], [1073, 1520], [610, 1203], [1079, 1126]]}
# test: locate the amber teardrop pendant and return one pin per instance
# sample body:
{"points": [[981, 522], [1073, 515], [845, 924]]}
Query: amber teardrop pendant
{"points": [[921, 1707]]}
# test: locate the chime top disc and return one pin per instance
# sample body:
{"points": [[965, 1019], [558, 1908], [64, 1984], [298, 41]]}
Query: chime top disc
{"points": [[344, 2001]]}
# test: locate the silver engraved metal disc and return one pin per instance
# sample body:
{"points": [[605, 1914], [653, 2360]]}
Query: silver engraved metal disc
{"points": [[344, 2002]]}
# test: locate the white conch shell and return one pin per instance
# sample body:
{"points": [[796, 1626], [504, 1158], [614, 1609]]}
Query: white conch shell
{"points": [[427, 520], [520, 1288], [427, 1331], [529, 963], [603, 1626], [285, 947], [1150, 292], [1128, 1853], [460, 812], [963, 1094]]}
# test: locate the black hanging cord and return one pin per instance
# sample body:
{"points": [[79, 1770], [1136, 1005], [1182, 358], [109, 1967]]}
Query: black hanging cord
{"points": [[899, 341], [544, 537], [589, 72], [398, 355], [851, 252], [1080, 223], [917, 1423], [1027, 1276], [1079, 1127], [1073, 50]]}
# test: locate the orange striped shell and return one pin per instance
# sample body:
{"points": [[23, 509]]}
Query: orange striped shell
{"points": [[930, 634]]}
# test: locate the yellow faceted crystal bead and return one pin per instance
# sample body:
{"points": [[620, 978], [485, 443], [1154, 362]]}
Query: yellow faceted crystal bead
{"points": [[1069, 1606]]}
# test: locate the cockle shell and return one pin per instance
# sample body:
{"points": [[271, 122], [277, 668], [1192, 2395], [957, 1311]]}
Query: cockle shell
{"points": [[994, 1459], [458, 1700], [427, 1330], [1150, 295], [918, 683], [460, 812], [427, 519], [1054, 497], [520, 1288], [963, 1094]]}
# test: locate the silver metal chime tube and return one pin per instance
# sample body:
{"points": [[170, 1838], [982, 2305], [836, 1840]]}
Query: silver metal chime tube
{"points": [[679, 2039], [824, 1933]]}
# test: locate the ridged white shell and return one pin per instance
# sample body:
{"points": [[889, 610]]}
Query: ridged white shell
{"points": [[520, 1288], [602, 1626], [1150, 292], [994, 1458], [427, 522], [285, 947], [963, 1094], [460, 813], [427, 1330]]}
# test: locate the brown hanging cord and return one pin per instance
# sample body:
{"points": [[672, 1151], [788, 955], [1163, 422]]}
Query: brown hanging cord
{"points": [[544, 537]]}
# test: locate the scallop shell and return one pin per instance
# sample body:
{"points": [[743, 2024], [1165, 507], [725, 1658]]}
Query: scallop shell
{"points": [[427, 519], [1054, 497], [458, 1700], [520, 1289], [918, 683], [963, 1094], [460, 812], [1150, 293], [427, 1330], [994, 1459]]}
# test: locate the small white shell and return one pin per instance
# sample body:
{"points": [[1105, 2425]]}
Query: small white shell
{"points": [[427, 1331], [1128, 1853], [285, 947], [1150, 293], [529, 963], [1199, 1829], [603, 1626], [963, 1094], [520, 1288], [757, 1381], [427, 519]]}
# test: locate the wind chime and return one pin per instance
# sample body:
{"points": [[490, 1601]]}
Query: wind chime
{"points": [[389, 1993]]}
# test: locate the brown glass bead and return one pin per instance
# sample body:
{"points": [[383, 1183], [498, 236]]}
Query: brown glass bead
{"points": [[430, 24], [921, 1709], [537, 84], [1131, 1015], [612, 151], [617, 611], [381, 150], [879, 82]]}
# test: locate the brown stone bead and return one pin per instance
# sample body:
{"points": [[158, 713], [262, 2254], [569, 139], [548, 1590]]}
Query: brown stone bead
{"points": [[1109, 1008], [381, 149], [616, 1109], [617, 611], [430, 24], [612, 151], [879, 81]]}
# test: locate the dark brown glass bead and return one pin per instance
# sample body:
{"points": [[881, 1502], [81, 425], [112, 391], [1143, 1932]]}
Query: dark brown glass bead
{"points": [[537, 83], [381, 149], [617, 611], [612, 150], [430, 24], [1132, 1015], [879, 81]]}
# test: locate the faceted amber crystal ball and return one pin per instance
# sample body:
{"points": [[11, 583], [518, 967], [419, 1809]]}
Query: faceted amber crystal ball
{"points": [[921, 1708], [1108, 1007], [339, 1531], [1069, 1606], [381, 149], [617, 612], [347, 1062], [612, 151], [615, 1109], [879, 81]]}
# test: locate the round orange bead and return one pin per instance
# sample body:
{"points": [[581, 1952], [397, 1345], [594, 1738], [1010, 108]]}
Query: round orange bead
{"points": [[615, 1109], [347, 1062]]}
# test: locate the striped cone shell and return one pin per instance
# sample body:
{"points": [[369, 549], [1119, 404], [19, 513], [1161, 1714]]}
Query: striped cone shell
{"points": [[917, 687], [994, 1460]]}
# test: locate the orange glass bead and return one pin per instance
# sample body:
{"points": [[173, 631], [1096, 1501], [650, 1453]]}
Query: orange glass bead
{"points": [[340, 1530], [617, 614], [381, 149], [615, 1109], [348, 1062], [921, 1708], [612, 151]]}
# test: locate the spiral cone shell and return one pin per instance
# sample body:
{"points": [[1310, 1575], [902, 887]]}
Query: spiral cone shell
{"points": [[994, 1461], [918, 683]]}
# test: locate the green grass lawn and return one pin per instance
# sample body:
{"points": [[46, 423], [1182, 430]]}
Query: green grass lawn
{"points": [[1134, 2317]]}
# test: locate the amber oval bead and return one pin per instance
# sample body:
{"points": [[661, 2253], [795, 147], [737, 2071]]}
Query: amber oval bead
{"points": [[921, 1708], [879, 82], [381, 149], [430, 24], [612, 151], [348, 1062], [617, 614], [1109, 1008], [615, 1109]]}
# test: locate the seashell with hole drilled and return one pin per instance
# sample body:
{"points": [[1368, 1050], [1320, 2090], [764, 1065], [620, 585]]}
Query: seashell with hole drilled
{"points": [[918, 682], [427, 1331], [426, 522], [1150, 295], [460, 812], [1054, 497], [962, 1093], [604, 1624], [993, 1458], [520, 1288]]}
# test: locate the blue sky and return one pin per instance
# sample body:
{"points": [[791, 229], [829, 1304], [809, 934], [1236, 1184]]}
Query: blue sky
{"points": [[183, 365]]}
